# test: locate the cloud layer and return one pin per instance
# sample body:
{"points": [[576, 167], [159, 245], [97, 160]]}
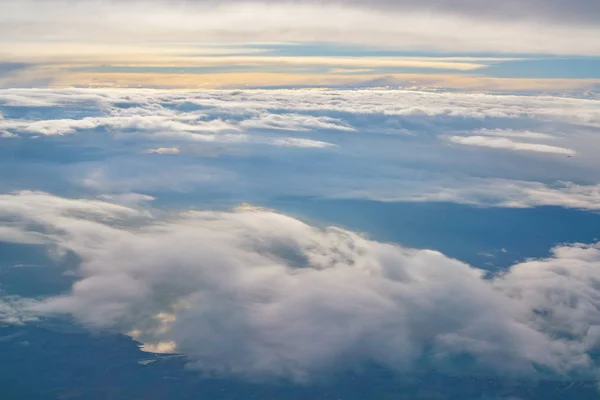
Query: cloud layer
{"points": [[259, 145], [261, 295], [458, 44], [533, 26]]}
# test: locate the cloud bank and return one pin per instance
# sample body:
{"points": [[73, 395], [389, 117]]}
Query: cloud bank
{"points": [[261, 295], [259, 145]]}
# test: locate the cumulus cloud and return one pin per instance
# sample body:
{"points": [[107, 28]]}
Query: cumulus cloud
{"points": [[508, 144], [261, 295]]}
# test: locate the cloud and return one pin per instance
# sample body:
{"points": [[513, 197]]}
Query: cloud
{"points": [[8, 67], [462, 26], [511, 133], [262, 295], [485, 192], [164, 150], [299, 78], [294, 122], [508, 144], [147, 109], [51, 127], [257, 145], [350, 70], [145, 175], [9, 234], [128, 199], [295, 142], [442, 63], [15, 310], [578, 11], [57, 43], [133, 123], [512, 194]]}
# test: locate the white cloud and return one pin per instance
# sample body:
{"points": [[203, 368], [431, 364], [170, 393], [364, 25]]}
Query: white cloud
{"points": [[350, 70], [220, 110], [511, 133], [375, 144], [6, 134], [50, 127], [406, 27], [296, 142], [294, 122], [142, 123], [181, 127], [508, 144], [10, 234], [53, 207], [498, 193], [128, 199], [15, 310], [164, 150], [261, 295]]}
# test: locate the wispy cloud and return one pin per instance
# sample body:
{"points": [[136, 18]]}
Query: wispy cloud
{"points": [[512, 133], [508, 144], [164, 150], [351, 70]]}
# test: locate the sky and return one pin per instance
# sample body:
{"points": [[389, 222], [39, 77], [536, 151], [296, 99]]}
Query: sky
{"points": [[193, 217], [286, 191], [530, 45]]}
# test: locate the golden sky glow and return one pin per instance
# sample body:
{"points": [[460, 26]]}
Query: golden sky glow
{"points": [[264, 79]]}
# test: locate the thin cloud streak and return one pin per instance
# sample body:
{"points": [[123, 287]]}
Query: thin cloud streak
{"points": [[508, 144]]}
